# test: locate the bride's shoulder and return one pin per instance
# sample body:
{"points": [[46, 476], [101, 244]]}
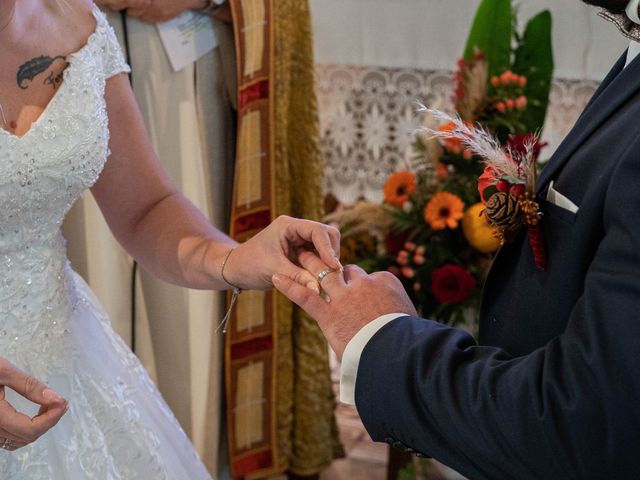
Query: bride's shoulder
{"points": [[68, 8], [73, 17]]}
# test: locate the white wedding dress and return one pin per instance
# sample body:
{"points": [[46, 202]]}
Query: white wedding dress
{"points": [[51, 325]]}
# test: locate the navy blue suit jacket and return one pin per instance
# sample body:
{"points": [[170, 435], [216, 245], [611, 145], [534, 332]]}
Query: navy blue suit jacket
{"points": [[552, 390]]}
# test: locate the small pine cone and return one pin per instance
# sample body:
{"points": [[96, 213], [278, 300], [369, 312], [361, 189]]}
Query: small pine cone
{"points": [[503, 210]]}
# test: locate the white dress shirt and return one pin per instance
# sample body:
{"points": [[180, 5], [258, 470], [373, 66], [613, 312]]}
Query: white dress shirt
{"points": [[632, 53], [351, 355], [353, 352]]}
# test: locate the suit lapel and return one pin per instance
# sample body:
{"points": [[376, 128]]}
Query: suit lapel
{"points": [[620, 84]]}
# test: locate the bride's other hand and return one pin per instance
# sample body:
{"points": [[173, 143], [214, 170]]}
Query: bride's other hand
{"points": [[18, 429], [275, 250]]}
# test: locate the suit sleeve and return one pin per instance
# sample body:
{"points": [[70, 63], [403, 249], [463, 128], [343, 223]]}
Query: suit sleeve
{"points": [[569, 410], [352, 353]]}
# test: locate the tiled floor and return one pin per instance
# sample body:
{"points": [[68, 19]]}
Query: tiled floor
{"points": [[365, 460]]}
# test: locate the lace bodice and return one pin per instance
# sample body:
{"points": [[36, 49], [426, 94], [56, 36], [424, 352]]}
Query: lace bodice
{"points": [[41, 175], [51, 326]]}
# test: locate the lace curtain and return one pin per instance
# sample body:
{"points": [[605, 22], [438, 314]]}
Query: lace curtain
{"points": [[368, 114]]}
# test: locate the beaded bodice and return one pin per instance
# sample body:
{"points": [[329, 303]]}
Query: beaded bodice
{"points": [[41, 175], [51, 326]]}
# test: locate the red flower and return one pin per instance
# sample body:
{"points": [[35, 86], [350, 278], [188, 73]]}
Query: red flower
{"points": [[518, 144], [452, 284], [442, 172], [395, 242], [408, 272], [485, 180]]}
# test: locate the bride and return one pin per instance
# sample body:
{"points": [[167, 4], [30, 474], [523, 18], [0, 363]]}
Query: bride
{"points": [[69, 122]]}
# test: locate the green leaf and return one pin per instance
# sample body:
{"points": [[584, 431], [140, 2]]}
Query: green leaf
{"points": [[491, 33], [407, 473], [534, 59]]}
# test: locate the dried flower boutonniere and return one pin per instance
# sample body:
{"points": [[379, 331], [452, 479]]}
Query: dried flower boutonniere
{"points": [[508, 184]]}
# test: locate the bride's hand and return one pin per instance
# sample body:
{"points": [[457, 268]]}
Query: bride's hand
{"points": [[17, 429], [275, 250]]}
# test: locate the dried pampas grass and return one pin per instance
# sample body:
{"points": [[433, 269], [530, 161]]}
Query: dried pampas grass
{"points": [[363, 217]]}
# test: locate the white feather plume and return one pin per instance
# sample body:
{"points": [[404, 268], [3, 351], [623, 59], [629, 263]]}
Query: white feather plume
{"points": [[482, 144]]}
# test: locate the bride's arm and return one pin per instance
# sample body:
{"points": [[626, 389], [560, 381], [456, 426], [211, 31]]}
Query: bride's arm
{"points": [[169, 236]]}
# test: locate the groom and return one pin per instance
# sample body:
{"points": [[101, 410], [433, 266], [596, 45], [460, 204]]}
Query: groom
{"points": [[552, 391]]}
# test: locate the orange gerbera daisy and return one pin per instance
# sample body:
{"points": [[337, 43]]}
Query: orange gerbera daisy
{"points": [[444, 210], [399, 187]]}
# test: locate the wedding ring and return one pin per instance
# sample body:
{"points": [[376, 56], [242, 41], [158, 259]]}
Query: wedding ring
{"points": [[324, 273], [6, 445]]}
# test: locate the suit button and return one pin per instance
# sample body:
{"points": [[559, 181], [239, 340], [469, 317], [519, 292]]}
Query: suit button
{"points": [[398, 444], [409, 450]]}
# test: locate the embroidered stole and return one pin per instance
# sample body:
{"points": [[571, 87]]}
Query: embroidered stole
{"points": [[278, 171]]}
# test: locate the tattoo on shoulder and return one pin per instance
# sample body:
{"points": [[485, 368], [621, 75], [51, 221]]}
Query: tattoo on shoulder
{"points": [[28, 71]]}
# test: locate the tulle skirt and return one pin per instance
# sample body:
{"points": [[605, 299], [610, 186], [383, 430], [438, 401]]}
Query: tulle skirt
{"points": [[118, 427]]}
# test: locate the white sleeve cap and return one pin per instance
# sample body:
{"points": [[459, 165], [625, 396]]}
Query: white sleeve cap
{"points": [[113, 60]]}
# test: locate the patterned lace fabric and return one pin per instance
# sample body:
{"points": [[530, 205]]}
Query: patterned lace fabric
{"points": [[41, 175], [367, 116], [118, 427]]}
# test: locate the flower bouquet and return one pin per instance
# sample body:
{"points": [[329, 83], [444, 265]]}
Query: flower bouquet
{"points": [[441, 222]]}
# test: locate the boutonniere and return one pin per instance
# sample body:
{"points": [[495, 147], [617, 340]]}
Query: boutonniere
{"points": [[507, 186]]}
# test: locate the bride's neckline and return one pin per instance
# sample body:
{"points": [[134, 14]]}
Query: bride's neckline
{"points": [[69, 58]]}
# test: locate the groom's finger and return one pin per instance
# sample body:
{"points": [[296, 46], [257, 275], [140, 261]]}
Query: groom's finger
{"points": [[306, 299], [299, 275], [353, 272], [312, 263]]}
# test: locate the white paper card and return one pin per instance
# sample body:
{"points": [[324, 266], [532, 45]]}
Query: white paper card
{"points": [[186, 38]]}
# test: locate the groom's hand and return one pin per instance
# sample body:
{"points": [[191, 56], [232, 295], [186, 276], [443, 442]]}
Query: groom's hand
{"points": [[354, 299]]}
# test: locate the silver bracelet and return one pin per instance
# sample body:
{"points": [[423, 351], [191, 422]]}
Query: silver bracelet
{"points": [[225, 320], [224, 264], [234, 297]]}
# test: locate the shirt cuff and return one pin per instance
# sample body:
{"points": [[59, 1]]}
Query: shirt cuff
{"points": [[353, 352]]}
